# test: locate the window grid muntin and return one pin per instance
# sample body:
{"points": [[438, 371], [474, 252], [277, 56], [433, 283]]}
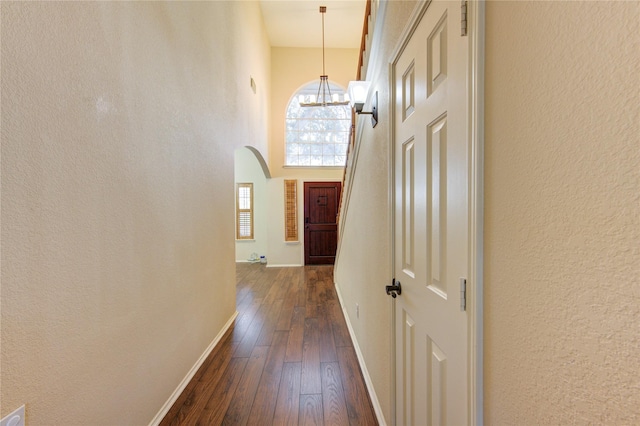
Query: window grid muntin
{"points": [[316, 136], [244, 211]]}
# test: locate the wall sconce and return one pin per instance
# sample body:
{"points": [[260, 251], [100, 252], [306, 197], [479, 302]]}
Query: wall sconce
{"points": [[358, 91]]}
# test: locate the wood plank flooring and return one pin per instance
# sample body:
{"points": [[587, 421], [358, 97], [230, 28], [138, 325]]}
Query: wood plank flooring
{"points": [[287, 360]]}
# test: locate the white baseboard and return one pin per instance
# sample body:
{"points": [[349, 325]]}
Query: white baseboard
{"points": [[283, 266], [365, 373], [269, 265], [183, 384]]}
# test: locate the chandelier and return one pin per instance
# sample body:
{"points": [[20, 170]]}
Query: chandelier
{"points": [[324, 97]]}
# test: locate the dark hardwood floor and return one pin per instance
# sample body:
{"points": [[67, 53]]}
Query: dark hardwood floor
{"points": [[287, 360]]}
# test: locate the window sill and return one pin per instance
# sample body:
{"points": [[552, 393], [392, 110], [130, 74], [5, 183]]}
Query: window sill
{"points": [[315, 167]]}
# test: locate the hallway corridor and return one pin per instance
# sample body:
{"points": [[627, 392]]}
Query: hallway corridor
{"points": [[287, 360]]}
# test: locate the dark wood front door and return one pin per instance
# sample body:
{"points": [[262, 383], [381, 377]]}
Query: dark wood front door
{"points": [[321, 200]]}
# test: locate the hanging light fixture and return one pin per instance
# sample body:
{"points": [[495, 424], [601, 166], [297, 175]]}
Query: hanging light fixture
{"points": [[324, 96]]}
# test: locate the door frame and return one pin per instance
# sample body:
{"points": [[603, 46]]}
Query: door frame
{"points": [[476, 32], [306, 242]]}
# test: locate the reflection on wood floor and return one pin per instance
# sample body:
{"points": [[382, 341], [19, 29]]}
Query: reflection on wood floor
{"points": [[287, 360]]}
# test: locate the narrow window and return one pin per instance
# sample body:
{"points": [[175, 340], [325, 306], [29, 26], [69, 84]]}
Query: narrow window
{"points": [[290, 210], [244, 211]]}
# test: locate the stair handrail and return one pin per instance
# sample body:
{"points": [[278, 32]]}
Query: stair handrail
{"points": [[352, 131]]}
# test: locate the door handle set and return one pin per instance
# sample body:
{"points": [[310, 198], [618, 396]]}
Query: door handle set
{"points": [[395, 289]]}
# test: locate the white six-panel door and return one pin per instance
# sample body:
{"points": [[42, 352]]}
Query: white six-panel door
{"points": [[431, 229]]}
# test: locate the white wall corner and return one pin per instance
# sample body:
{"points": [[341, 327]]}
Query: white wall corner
{"points": [[365, 373], [183, 384]]}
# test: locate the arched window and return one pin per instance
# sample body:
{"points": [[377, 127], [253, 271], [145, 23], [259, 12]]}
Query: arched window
{"points": [[319, 135]]}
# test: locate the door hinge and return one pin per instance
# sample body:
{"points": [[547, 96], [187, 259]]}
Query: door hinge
{"points": [[463, 18], [463, 294]]}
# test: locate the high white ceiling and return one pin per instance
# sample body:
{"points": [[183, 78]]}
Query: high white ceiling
{"points": [[298, 23]]}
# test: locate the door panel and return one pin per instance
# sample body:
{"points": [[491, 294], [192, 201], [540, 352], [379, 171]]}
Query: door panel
{"points": [[321, 200], [431, 247]]}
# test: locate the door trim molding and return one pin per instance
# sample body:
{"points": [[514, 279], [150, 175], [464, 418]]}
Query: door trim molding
{"points": [[476, 17], [476, 26]]}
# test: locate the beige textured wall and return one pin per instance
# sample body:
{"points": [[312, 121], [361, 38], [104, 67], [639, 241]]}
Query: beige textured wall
{"points": [[363, 266], [293, 68], [562, 206], [119, 124]]}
